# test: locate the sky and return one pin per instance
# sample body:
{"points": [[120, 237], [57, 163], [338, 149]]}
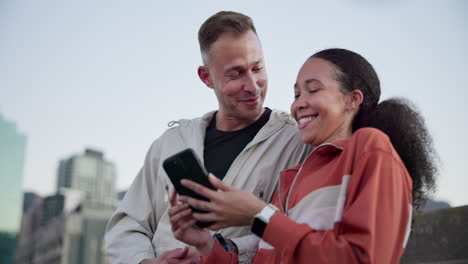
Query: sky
{"points": [[110, 75]]}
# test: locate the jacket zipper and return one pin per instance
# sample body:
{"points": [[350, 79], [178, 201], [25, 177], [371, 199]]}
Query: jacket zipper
{"points": [[285, 206]]}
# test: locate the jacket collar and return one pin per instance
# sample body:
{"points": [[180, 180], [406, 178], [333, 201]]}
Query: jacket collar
{"points": [[192, 131], [322, 150], [197, 127]]}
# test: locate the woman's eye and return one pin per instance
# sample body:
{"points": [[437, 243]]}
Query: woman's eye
{"points": [[313, 91]]}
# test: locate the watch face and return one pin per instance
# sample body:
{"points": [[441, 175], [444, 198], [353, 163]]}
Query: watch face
{"points": [[262, 219], [258, 227]]}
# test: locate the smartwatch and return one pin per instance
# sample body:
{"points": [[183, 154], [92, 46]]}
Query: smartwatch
{"points": [[262, 219]]}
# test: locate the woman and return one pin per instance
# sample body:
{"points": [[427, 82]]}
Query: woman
{"points": [[351, 201]]}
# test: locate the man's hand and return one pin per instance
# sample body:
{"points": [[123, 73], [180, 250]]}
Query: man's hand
{"points": [[178, 255], [227, 207], [185, 230]]}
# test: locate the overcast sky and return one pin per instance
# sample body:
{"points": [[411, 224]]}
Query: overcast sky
{"points": [[111, 74]]}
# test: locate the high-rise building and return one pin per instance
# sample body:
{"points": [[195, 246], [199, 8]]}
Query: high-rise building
{"points": [[30, 224], [64, 174], [75, 238], [52, 207], [29, 200], [73, 221], [91, 174], [12, 152]]}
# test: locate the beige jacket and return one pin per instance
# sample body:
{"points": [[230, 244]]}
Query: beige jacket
{"points": [[140, 229]]}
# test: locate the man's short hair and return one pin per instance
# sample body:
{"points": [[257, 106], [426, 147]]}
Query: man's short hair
{"points": [[220, 23]]}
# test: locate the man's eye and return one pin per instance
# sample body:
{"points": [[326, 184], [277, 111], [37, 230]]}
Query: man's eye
{"points": [[313, 91], [296, 96], [257, 69], [233, 75]]}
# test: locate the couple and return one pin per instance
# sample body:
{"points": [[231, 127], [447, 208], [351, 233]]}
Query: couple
{"points": [[349, 200]]}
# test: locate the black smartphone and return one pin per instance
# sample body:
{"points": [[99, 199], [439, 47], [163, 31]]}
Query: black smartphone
{"points": [[186, 165]]}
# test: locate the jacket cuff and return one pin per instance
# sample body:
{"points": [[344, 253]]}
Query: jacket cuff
{"points": [[283, 233], [219, 255], [247, 247]]}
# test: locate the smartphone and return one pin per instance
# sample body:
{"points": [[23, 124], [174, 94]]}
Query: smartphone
{"points": [[186, 165]]}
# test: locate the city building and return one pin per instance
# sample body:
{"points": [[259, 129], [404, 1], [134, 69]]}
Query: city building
{"points": [[12, 155], [91, 174], [52, 207], [30, 200], [83, 240], [72, 221], [30, 224]]}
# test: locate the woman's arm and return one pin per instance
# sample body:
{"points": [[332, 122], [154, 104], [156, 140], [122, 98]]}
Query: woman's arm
{"points": [[373, 229]]}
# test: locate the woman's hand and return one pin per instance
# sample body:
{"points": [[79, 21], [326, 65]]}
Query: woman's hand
{"points": [[185, 230], [230, 207]]}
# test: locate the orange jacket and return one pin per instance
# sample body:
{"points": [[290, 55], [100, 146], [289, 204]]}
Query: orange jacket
{"points": [[350, 202]]}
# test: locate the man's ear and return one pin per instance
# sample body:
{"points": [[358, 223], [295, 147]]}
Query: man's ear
{"points": [[204, 75], [355, 100]]}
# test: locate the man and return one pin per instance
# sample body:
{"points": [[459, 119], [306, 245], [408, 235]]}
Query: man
{"points": [[242, 143]]}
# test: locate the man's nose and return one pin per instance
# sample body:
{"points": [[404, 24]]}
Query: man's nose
{"points": [[250, 84]]}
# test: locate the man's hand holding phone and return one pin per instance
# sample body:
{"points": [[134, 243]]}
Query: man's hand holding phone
{"points": [[185, 230], [186, 165]]}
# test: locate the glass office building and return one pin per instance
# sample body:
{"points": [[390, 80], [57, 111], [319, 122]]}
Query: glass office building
{"points": [[12, 155]]}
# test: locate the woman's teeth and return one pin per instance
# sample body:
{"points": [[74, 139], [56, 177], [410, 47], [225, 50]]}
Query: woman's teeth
{"points": [[304, 120]]}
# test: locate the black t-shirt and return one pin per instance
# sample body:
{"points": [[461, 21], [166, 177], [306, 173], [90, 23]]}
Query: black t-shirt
{"points": [[223, 147]]}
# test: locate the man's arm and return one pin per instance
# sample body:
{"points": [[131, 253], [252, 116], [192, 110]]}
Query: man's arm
{"points": [[131, 227]]}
